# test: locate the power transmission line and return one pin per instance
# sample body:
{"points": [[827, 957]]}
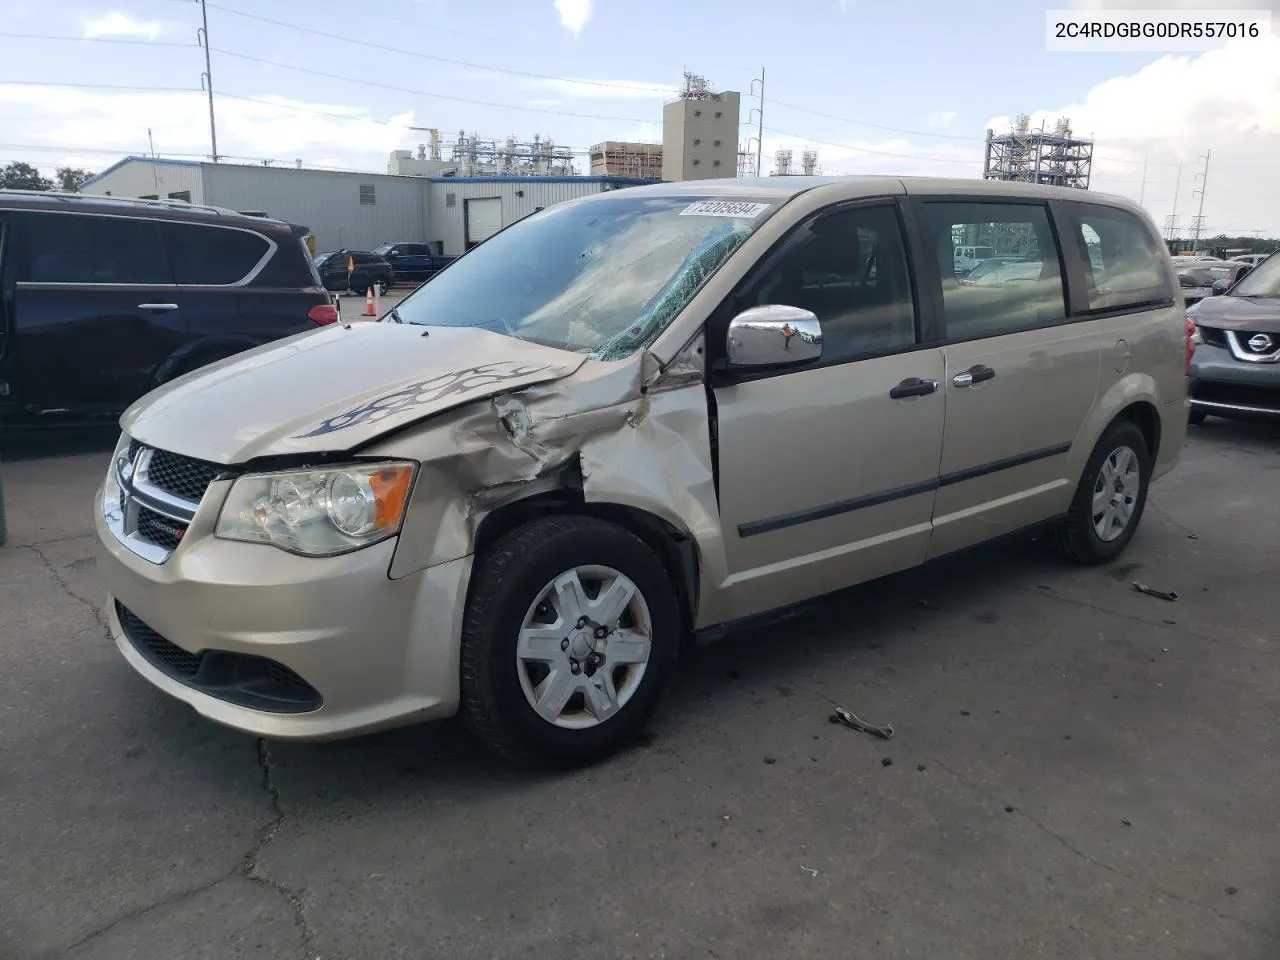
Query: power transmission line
{"points": [[130, 41], [424, 93], [425, 56]]}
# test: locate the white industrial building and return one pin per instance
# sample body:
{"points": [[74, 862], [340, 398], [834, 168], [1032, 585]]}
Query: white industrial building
{"points": [[356, 211]]}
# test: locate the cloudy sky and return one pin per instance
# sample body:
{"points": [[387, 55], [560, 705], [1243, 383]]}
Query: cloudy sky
{"points": [[874, 87]]}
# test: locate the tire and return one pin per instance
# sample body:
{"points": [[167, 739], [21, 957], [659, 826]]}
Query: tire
{"points": [[1196, 416], [1078, 537], [498, 689], [383, 287]]}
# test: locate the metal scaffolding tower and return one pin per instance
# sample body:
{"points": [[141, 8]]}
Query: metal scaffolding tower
{"points": [[1056, 158]]}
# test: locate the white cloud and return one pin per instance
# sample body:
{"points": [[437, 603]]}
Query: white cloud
{"points": [[607, 89], [1225, 101], [94, 129], [117, 24], [943, 118], [574, 14]]}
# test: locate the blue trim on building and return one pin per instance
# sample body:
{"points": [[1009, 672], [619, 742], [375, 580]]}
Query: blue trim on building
{"points": [[612, 181], [129, 159]]}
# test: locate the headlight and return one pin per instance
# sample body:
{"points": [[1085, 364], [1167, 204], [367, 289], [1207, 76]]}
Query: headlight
{"points": [[320, 512]]}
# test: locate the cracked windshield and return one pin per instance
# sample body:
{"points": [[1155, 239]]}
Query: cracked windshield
{"points": [[639, 481], [603, 277]]}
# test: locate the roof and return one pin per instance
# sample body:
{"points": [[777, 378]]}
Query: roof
{"points": [[48, 200], [786, 187], [158, 161]]}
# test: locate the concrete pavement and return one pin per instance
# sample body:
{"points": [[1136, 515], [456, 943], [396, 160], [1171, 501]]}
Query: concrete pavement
{"points": [[1079, 771]]}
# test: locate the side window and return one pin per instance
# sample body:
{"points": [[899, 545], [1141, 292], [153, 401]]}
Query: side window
{"points": [[211, 255], [850, 269], [1018, 283], [1126, 267], [66, 248]]}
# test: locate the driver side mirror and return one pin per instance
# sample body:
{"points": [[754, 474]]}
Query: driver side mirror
{"points": [[773, 335]]}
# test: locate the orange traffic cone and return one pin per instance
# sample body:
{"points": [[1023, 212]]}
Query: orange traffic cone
{"points": [[368, 303]]}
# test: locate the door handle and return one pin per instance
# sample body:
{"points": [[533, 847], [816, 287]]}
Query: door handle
{"points": [[976, 374], [913, 387], [157, 306]]}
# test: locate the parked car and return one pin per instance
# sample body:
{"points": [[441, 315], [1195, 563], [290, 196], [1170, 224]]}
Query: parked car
{"points": [[1236, 369], [354, 271], [985, 267], [1010, 270], [1250, 259], [102, 299], [1197, 277], [412, 262], [627, 418]]}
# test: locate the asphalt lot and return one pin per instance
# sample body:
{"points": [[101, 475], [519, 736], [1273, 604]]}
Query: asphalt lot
{"points": [[1079, 771]]}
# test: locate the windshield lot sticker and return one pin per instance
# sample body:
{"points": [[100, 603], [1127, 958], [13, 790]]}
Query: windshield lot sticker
{"points": [[427, 391], [724, 208]]}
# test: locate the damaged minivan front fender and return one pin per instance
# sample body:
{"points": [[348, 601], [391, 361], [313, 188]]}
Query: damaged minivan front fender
{"points": [[622, 438]]}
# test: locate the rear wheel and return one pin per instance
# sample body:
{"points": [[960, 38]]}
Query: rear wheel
{"points": [[1110, 499], [571, 632]]}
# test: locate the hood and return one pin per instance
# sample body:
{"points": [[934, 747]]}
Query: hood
{"points": [[1260, 315], [335, 389]]}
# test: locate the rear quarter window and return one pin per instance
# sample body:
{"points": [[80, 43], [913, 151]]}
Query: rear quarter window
{"points": [[203, 255], [1124, 265]]}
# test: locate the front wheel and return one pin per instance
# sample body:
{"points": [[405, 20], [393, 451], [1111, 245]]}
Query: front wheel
{"points": [[383, 287], [571, 632], [1110, 498]]}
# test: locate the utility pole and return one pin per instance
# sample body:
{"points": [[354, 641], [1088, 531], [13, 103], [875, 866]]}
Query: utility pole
{"points": [[206, 78], [1142, 190], [1204, 176], [760, 125], [1173, 217]]}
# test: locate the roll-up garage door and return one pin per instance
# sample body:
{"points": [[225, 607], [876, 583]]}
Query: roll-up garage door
{"points": [[484, 218]]}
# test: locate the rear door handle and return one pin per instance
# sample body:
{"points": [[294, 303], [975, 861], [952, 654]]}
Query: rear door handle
{"points": [[157, 306], [913, 387], [976, 374]]}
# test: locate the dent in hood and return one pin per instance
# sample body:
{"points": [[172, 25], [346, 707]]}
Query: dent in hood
{"points": [[335, 389], [1239, 313]]}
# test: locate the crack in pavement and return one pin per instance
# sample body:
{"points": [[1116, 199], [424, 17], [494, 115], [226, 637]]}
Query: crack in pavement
{"points": [[1172, 628], [98, 614], [1072, 848], [250, 865], [166, 901]]}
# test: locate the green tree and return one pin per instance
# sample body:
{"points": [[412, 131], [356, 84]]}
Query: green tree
{"points": [[71, 179], [23, 176]]}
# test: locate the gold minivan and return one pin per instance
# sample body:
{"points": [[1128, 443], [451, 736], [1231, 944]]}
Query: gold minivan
{"points": [[627, 419]]}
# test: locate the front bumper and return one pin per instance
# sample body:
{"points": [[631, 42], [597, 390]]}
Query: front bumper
{"points": [[287, 647], [1224, 386]]}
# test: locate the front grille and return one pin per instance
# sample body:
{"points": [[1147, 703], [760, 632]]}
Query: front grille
{"points": [[159, 529], [166, 656], [180, 476], [240, 678], [1213, 336], [1238, 394]]}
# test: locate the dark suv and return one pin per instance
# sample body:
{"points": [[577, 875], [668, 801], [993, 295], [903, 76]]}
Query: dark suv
{"points": [[103, 299], [354, 270]]}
